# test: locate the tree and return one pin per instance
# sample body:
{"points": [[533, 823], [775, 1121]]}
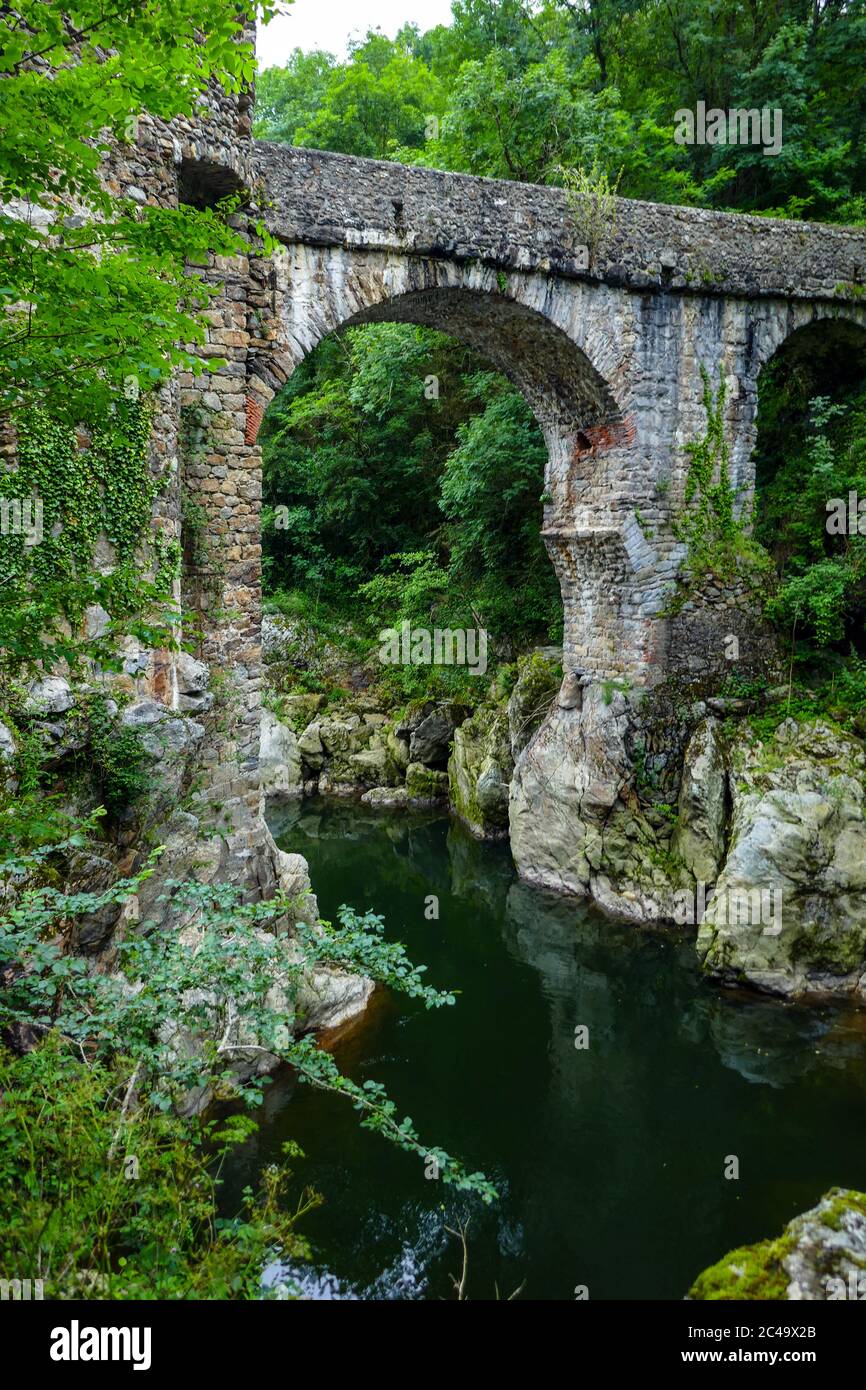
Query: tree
{"points": [[96, 296], [94, 286]]}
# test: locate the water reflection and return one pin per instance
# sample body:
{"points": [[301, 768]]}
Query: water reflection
{"points": [[610, 1158]]}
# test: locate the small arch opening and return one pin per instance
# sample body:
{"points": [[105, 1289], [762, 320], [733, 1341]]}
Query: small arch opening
{"points": [[810, 468]]}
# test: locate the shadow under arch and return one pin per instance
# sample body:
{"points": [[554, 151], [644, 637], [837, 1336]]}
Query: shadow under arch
{"points": [[566, 392], [808, 462], [824, 357], [831, 346], [550, 370]]}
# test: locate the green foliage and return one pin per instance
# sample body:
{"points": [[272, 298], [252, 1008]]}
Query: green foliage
{"points": [[822, 593], [708, 523], [170, 1015], [592, 200], [96, 287], [141, 1219], [519, 91], [116, 758], [102, 487], [377, 105], [372, 419]]}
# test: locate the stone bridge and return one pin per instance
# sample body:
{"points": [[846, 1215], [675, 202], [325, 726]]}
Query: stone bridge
{"points": [[606, 342]]}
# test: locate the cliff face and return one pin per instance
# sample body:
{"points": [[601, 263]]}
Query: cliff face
{"points": [[758, 841]]}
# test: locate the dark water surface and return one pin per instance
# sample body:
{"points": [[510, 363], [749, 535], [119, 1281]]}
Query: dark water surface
{"points": [[610, 1161]]}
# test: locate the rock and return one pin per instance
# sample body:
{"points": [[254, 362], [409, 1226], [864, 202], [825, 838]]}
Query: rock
{"points": [[725, 705], [398, 748], [338, 735], [820, 1256], [311, 748], [328, 998], [299, 710], [166, 737], [699, 836], [277, 638], [50, 696], [430, 742], [293, 877], [192, 678], [374, 768], [414, 714], [535, 690], [7, 744], [386, 797], [565, 785], [424, 786], [571, 692], [325, 997], [576, 824], [279, 758], [797, 830], [482, 760], [97, 621], [143, 713]]}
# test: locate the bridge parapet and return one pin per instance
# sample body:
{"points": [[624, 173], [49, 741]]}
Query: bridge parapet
{"points": [[326, 199]]}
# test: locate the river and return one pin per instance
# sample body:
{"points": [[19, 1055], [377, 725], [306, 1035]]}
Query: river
{"points": [[610, 1158]]}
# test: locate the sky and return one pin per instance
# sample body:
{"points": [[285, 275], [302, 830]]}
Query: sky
{"points": [[328, 24]]}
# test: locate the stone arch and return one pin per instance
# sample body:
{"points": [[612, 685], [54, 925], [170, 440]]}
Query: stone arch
{"points": [[823, 353], [512, 320], [546, 342], [795, 325]]}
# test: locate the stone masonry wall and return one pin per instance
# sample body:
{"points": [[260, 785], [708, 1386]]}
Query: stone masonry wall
{"points": [[608, 356]]}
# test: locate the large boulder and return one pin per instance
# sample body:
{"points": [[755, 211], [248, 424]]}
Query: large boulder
{"points": [[430, 742], [279, 758], [324, 997], [820, 1256], [50, 696], [299, 710], [311, 748], [789, 910], [479, 772], [374, 767], [576, 822], [425, 786], [699, 836], [565, 786]]}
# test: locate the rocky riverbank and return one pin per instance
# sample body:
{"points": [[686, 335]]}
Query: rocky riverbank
{"points": [[667, 805], [820, 1255]]}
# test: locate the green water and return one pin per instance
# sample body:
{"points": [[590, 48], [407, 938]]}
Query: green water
{"points": [[610, 1161]]}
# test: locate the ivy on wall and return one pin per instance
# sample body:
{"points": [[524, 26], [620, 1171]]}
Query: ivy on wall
{"points": [[717, 536], [95, 495]]}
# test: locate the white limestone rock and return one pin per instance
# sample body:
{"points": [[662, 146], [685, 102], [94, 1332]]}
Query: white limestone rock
{"points": [[798, 829], [279, 758]]}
